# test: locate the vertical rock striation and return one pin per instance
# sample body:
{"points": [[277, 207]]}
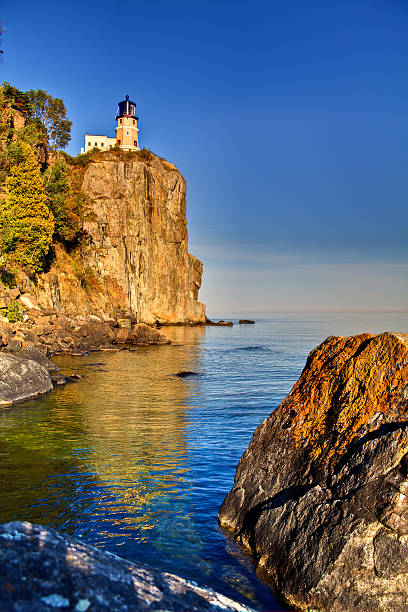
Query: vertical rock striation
{"points": [[139, 245], [320, 496]]}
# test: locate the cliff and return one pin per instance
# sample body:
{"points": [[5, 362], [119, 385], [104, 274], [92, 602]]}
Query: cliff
{"points": [[137, 263], [320, 496]]}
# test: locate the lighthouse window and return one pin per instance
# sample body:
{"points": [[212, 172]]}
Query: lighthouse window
{"points": [[101, 144], [135, 143], [120, 120], [127, 132], [89, 144]]}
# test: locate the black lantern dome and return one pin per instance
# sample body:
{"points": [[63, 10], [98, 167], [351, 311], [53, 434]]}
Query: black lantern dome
{"points": [[127, 108]]}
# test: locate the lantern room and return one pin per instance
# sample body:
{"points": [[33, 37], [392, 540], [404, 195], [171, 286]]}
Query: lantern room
{"points": [[127, 108], [126, 126]]}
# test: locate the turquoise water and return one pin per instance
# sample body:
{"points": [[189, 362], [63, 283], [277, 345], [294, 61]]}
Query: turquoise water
{"points": [[136, 460]]}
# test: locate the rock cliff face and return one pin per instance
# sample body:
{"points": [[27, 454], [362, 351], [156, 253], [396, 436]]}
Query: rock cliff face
{"points": [[139, 255], [321, 494]]}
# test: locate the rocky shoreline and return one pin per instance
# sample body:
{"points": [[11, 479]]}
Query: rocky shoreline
{"points": [[26, 346], [43, 570]]}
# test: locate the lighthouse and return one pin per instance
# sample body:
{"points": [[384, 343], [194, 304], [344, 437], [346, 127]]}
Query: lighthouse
{"points": [[126, 126], [126, 131]]}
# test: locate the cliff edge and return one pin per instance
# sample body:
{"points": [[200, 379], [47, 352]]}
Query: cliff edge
{"points": [[320, 496], [137, 262]]}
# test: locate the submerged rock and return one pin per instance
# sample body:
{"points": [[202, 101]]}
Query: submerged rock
{"points": [[246, 322], [21, 378], [320, 496], [42, 570], [186, 373]]}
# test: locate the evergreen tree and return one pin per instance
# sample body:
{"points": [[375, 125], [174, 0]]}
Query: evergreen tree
{"points": [[26, 222]]}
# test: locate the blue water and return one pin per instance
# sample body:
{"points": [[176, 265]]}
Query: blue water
{"points": [[138, 461]]}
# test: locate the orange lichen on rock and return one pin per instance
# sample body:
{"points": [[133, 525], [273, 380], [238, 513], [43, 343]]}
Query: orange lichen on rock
{"points": [[345, 382], [320, 496]]}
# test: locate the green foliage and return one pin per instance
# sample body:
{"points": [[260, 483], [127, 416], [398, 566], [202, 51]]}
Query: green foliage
{"points": [[12, 312], [33, 133], [8, 277], [145, 154], [83, 272], [26, 222], [62, 206], [17, 99], [85, 158], [51, 112], [14, 102]]}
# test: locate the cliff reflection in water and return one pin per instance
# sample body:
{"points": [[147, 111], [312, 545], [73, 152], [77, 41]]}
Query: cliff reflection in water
{"points": [[135, 416], [137, 460], [122, 433]]}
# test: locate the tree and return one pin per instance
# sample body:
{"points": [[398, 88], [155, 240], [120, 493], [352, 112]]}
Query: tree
{"points": [[26, 222], [17, 99], [52, 114], [63, 203]]}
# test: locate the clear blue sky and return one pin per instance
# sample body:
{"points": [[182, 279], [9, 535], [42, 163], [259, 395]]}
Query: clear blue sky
{"points": [[289, 120]]}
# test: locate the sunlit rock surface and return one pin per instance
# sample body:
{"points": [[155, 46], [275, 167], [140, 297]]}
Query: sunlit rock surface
{"points": [[138, 261], [320, 495], [21, 378], [42, 570]]}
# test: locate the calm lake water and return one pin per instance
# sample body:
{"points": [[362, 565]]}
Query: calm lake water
{"points": [[137, 461]]}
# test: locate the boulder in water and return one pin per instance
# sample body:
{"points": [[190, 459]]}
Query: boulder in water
{"points": [[320, 496]]}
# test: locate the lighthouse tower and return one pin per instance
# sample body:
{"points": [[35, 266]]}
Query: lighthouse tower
{"points": [[126, 126]]}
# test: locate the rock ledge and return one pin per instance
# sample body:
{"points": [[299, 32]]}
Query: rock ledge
{"points": [[42, 570]]}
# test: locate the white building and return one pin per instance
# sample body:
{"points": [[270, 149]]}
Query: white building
{"points": [[104, 143]]}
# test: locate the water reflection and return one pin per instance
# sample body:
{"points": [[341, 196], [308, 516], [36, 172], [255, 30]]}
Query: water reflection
{"points": [[134, 458], [134, 417]]}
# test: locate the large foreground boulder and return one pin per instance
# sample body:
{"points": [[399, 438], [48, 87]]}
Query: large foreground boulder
{"points": [[21, 378], [42, 570], [320, 495]]}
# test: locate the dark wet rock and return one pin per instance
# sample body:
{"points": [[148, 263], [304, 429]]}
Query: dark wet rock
{"points": [[185, 373], [58, 379], [145, 334], [246, 322], [31, 352], [21, 378], [320, 496], [42, 570], [220, 323]]}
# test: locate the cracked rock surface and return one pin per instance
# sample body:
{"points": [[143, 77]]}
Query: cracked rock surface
{"points": [[21, 378], [42, 570], [320, 496]]}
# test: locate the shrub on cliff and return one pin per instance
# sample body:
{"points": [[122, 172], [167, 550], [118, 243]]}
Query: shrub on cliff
{"points": [[13, 312], [16, 110], [64, 204], [26, 222]]}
